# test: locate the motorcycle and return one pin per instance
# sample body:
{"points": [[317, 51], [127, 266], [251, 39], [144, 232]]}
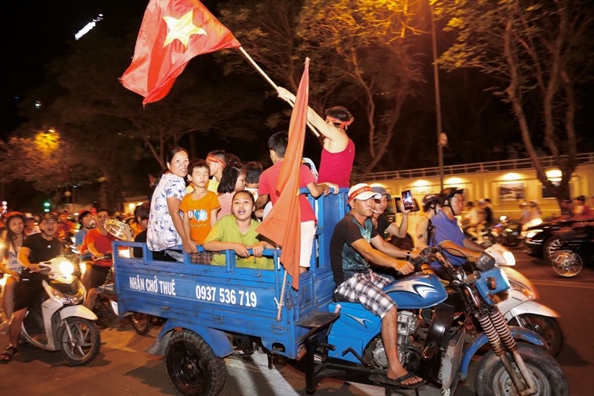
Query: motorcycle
{"points": [[106, 306], [519, 308], [577, 248], [485, 238], [61, 322], [507, 232], [440, 329]]}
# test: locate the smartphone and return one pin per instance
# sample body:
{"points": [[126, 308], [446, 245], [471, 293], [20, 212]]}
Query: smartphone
{"points": [[415, 208], [407, 200]]}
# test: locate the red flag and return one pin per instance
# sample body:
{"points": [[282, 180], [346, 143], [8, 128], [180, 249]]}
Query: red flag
{"points": [[172, 33], [283, 223]]}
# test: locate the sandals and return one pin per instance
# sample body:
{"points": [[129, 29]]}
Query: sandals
{"points": [[398, 382], [8, 354]]}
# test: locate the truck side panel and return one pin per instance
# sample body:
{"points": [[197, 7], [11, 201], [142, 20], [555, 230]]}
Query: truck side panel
{"points": [[235, 300]]}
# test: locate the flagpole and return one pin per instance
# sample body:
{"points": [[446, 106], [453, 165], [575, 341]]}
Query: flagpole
{"points": [[279, 304], [263, 74]]}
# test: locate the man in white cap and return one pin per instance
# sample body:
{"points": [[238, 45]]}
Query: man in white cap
{"points": [[355, 243]]}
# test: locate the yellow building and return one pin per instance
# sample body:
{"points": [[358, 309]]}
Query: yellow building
{"points": [[506, 183]]}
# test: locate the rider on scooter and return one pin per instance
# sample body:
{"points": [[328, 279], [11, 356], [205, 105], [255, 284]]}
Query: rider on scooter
{"points": [[447, 232], [36, 248]]}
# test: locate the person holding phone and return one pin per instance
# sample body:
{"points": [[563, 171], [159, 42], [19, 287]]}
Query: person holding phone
{"points": [[380, 220]]}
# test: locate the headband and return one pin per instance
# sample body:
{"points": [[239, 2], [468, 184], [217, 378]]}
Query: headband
{"points": [[342, 124], [212, 158], [358, 191]]}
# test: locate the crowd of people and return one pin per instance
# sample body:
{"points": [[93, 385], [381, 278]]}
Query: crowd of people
{"points": [[216, 203]]}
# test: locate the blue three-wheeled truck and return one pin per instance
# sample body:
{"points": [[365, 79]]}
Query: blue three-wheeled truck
{"points": [[213, 311]]}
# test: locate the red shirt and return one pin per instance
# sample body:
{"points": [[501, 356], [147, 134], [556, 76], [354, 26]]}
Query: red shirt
{"points": [[267, 186], [337, 167], [102, 244]]}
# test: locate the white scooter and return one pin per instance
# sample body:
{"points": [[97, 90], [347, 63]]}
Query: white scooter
{"points": [[519, 306], [60, 322]]}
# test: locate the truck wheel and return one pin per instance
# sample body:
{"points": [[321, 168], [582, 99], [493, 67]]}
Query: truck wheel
{"points": [[493, 380], [141, 322], [84, 345], [548, 328], [192, 367]]}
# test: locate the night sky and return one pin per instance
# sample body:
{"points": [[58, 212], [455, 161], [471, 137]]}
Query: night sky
{"points": [[39, 32]]}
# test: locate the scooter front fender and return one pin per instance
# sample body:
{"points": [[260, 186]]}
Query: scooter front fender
{"points": [[518, 333], [531, 307], [77, 310]]}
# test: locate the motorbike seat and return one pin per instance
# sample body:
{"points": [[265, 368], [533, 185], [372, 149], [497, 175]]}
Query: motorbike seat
{"points": [[338, 298]]}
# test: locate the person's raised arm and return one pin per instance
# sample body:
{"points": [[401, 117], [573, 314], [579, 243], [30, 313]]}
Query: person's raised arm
{"points": [[314, 118]]}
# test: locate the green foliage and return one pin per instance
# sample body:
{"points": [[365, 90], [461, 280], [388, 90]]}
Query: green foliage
{"points": [[361, 53], [540, 54]]}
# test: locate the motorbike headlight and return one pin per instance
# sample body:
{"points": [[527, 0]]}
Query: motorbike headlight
{"points": [[522, 289], [66, 267], [509, 258], [530, 234]]}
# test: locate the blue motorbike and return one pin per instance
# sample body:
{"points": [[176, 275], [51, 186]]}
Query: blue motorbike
{"points": [[440, 329]]}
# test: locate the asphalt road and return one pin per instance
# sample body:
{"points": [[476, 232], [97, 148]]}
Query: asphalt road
{"points": [[122, 368]]}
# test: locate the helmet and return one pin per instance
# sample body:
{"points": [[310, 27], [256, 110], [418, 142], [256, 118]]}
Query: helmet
{"points": [[447, 194], [10, 215], [48, 216], [429, 201], [533, 204]]}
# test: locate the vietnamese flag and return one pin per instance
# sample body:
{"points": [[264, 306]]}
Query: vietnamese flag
{"points": [[283, 223], [172, 33]]}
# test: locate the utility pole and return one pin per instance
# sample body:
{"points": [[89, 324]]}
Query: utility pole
{"points": [[441, 139]]}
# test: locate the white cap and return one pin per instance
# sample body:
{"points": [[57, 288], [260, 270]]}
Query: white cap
{"points": [[362, 192]]}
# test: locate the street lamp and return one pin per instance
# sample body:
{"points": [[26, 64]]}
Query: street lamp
{"points": [[442, 139]]}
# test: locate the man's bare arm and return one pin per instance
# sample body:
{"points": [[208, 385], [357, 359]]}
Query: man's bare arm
{"points": [[379, 258]]}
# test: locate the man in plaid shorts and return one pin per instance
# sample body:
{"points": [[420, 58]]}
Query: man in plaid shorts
{"points": [[355, 243]]}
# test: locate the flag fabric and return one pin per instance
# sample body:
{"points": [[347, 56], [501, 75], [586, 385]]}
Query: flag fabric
{"points": [[283, 223], [172, 33]]}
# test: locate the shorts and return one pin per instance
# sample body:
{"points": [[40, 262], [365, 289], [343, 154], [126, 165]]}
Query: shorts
{"points": [[367, 289], [98, 276], [28, 291], [308, 233]]}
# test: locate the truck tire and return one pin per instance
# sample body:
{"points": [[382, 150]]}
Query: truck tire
{"points": [[493, 380], [192, 367], [141, 322]]}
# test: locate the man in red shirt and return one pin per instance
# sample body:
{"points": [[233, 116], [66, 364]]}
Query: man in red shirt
{"points": [[98, 242], [277, 145]]}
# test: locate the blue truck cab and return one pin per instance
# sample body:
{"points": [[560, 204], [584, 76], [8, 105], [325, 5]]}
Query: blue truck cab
{"points": [[230, 307]]}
